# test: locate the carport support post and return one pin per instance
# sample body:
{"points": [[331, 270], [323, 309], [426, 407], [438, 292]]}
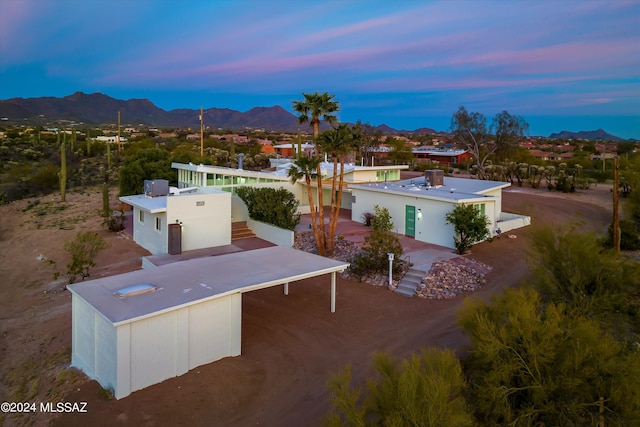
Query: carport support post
{"points": [[333, 292], [286, 288]]}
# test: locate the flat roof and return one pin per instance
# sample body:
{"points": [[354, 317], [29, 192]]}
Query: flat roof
{"points": [[146, 203], [227, 171], [186, 283], [159, 203], [453, 190]]}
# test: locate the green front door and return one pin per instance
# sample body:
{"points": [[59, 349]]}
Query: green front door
{"points": [[410, 220]]}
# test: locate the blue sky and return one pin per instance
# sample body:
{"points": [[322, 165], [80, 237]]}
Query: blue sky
{"points": [[562, 65]]}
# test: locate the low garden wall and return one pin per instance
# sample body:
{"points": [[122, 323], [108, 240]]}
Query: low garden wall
{"points": [[509, 221], [270, 233]]}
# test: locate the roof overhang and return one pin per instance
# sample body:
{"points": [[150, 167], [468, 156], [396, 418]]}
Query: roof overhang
{"points": [[186, 283]]}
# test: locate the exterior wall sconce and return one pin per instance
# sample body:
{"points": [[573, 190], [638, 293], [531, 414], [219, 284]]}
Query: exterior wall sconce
{"points": [[419, 213]]}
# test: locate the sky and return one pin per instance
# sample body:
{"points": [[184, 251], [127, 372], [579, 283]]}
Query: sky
{"points": [[561, 65]]}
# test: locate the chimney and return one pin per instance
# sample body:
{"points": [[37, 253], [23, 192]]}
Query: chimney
{"points": [[240, 156]]}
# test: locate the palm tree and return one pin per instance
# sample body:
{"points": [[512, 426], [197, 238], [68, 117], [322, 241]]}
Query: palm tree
{"points": [[314, 108], [338, 143], [306, 168]]}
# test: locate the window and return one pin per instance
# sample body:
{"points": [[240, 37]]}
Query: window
{"points": [[141, 216], [158, 224]]}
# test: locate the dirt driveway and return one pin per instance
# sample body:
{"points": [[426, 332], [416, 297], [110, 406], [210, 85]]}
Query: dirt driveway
{"points": [[290, 345]]}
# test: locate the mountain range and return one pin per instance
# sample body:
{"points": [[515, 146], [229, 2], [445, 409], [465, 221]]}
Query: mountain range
{"points": [[596, 135], [101, 109]]}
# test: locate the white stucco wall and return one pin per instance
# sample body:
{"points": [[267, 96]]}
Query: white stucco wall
{"points": [[206, 219], [239, 211], [135, 355], [430, 224], [271, 233], [93, 343], [145, 234]]}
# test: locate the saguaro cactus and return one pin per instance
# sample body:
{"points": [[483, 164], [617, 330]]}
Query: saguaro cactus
{"points": [[63, 169], [105, 199]]}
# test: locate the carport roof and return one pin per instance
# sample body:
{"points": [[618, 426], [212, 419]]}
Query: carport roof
{"points": [[185, 283]]}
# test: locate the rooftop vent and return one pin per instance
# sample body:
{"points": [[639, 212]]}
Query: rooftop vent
{"points": [[133, 290]]}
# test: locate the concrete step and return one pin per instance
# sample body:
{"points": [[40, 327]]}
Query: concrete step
{"points": [[407, 292], [239, 230], [409, 283]]}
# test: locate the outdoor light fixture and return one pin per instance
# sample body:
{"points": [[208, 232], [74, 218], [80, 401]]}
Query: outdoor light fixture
{"points": [[419, 213], [391, 256]]}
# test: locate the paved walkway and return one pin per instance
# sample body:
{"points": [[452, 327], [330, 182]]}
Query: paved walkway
{"points": [[421, 254]]}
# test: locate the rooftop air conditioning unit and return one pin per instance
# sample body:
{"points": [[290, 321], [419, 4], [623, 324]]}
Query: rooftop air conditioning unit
{"points": [[434, 177], [156, 187]]}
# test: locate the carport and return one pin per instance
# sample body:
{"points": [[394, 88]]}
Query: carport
{"points": [[140, 328]]}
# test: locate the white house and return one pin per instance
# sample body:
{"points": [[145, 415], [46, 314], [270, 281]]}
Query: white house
{"points": [[111, 139], [418, 209], [186, 220], [229, 179]]}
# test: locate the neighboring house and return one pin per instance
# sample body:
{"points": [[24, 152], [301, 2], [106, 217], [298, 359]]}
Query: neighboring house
{"points": [[442, 156], [290, 150], [188, 219], [418, 209], [110, 139]]}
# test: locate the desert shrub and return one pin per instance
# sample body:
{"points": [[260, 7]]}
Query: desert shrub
{"points": [[373, 257], [427, 389], [629, 237], [533, 363], [574, 269], [45, 179], [113, 221], [83, 249], [381, 220]]}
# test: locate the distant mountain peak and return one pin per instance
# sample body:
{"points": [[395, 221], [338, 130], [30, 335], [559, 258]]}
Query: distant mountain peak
{"points": [[594, 135]]}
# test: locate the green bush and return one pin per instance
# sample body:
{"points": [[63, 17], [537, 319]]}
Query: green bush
{"points": [[277, 207], [469, 225], [373, 257]]}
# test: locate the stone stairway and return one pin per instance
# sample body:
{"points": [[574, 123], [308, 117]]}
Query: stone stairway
{"points": [[239, 230], [410, 282]]}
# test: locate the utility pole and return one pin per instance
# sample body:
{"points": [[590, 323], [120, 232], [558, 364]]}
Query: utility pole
{"points": [[616, 216], [201, 134]]}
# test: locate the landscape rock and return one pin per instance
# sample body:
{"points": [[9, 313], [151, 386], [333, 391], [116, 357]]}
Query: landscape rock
{"points": [[448, 279]]}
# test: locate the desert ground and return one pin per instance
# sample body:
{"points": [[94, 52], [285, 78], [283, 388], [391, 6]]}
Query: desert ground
{"points": [[290, 345]]}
